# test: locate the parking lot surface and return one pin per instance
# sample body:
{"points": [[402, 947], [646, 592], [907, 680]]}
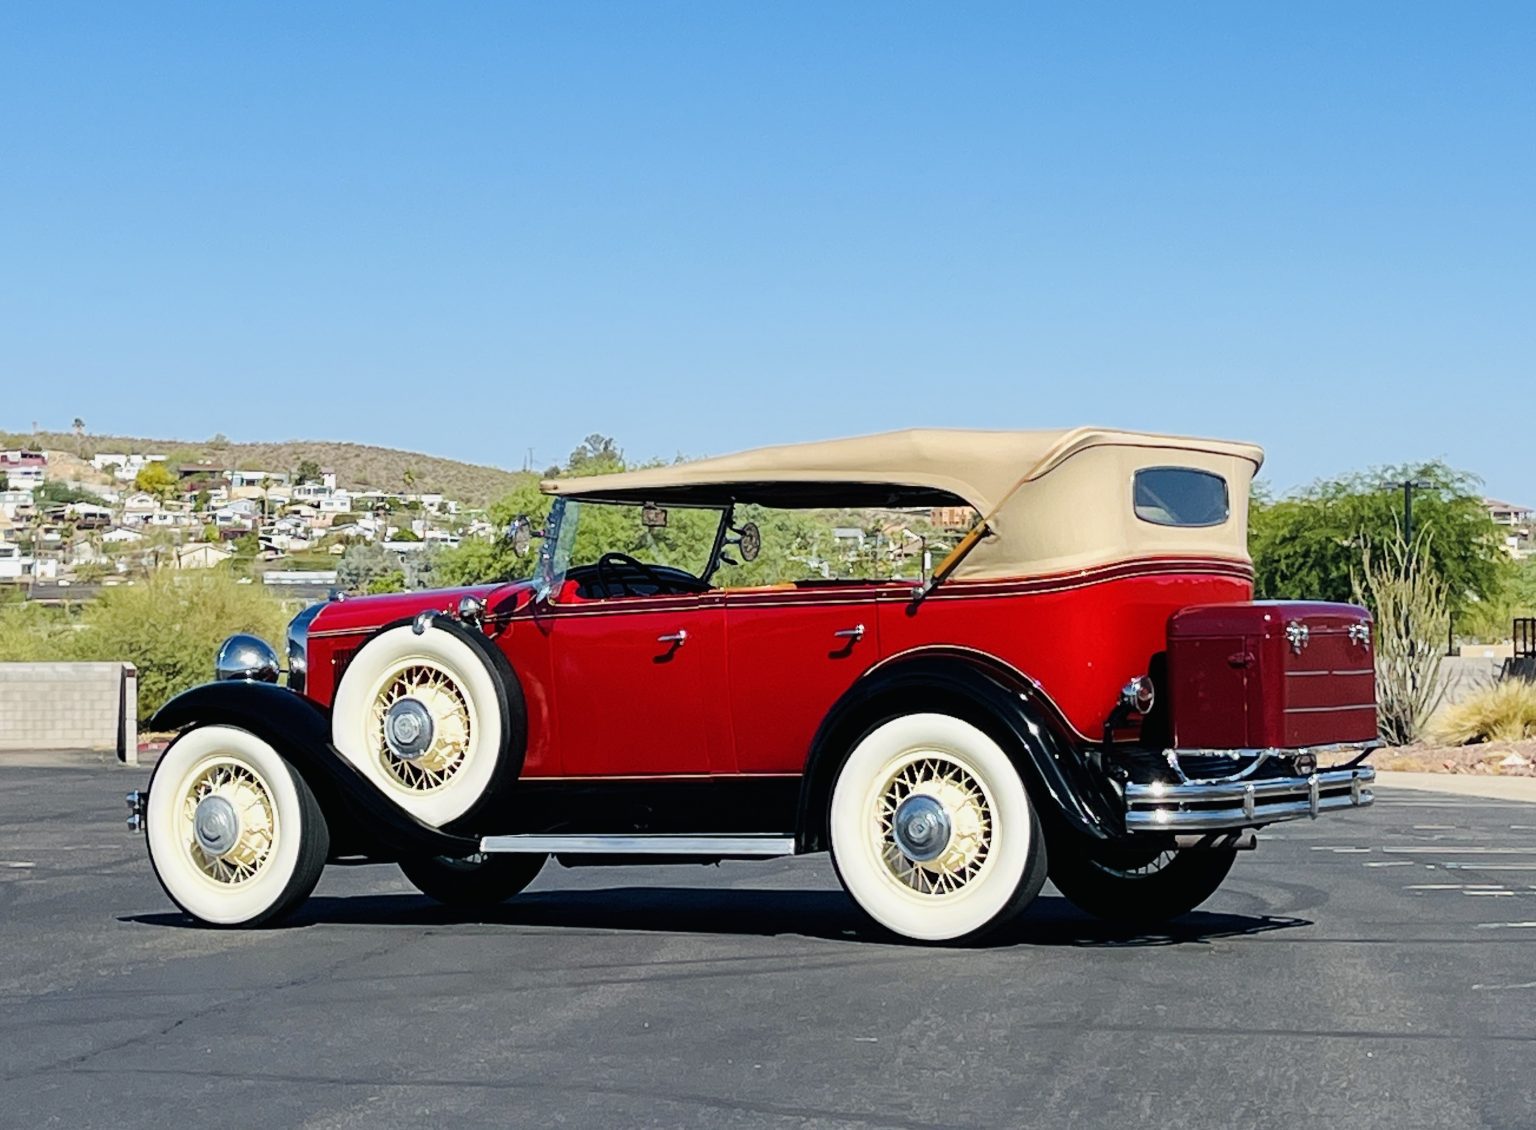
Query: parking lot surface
{"points": [[1370, 970]]}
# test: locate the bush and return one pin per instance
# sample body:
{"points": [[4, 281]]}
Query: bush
{"points": [[170, 625], [1504, 712]]}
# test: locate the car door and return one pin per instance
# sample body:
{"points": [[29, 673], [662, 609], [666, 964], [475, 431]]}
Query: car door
{"points": [[637, 685], [792, 652]]}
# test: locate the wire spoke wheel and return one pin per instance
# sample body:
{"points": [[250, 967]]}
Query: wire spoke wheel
{"points": [[234, 833], [225, 786], [449, 730], [931, 829], [960, 821]]}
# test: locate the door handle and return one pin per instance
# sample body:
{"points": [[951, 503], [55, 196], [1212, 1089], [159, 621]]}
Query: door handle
{"points": [[676, 639], [854, 633]]}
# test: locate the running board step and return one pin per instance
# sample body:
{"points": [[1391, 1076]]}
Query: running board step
{"points": [[764, 845]]}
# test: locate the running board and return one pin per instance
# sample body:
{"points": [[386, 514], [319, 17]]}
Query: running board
{"points": [[766, 845]]}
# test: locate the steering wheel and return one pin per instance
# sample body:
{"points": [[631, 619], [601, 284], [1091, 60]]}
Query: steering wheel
{"points": [[612, 580]]}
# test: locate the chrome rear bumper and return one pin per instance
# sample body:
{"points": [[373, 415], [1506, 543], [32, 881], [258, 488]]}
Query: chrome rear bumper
{"points": [[1198, 806]]}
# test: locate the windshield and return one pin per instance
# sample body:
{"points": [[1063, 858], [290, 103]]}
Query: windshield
{"points": [[797, 546], [682, 537]]}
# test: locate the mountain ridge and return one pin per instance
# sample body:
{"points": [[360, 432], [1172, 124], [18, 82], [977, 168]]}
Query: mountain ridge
{"points": [[357, 465]]}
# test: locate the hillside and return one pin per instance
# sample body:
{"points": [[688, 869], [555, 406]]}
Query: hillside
{"points": [[356, 465]]}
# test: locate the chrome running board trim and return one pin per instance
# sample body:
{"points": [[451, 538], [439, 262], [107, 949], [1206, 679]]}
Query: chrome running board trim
{"points": [[760, 845]]}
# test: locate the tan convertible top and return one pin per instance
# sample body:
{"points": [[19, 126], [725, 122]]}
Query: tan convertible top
{"points": [[1054, 499]]}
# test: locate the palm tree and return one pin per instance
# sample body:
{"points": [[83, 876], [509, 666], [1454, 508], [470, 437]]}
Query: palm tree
{"points": [[79, 429]]}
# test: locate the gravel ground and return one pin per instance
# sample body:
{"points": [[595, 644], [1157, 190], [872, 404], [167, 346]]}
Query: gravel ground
{"points": [[1376, 969]]}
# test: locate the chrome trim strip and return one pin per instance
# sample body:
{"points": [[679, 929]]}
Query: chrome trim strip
{"points": [[1161, 807], [1329, 709], [762, 845]]}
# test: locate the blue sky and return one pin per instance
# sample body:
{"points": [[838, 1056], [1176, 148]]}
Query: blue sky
{"points": [[475, 229]]}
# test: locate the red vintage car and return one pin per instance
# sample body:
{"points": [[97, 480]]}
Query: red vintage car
{"points": [[1082, 688]]}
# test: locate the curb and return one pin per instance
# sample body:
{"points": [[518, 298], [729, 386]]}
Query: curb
{"points": [[1461, 784]]}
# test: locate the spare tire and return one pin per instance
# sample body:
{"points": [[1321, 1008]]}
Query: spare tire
{"points": [[433, 717]]}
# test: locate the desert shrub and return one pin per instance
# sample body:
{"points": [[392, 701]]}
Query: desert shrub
{"points": [[1412, 610], [1504, 712], [170, 625], [33, 633]]}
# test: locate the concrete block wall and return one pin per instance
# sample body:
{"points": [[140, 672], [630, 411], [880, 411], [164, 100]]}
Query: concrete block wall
{"points": [[58, 706]]}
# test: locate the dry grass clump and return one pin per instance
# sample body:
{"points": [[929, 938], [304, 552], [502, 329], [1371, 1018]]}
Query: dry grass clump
{"points": [[1504, 712]]}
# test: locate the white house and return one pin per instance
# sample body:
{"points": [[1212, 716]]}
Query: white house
{"points": [[17, 505], [200, 555]]}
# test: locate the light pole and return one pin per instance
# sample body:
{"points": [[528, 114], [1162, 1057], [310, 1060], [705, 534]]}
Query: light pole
{"points": [[1408, 487]]}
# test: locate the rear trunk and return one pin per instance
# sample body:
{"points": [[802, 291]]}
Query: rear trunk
{"points": [[1271, 675]]}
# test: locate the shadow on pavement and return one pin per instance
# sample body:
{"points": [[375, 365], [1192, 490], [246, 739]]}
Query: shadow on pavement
{"points": [[1050, 920]]}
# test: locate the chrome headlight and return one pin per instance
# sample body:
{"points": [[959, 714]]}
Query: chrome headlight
{"points": [[248, 658], [298, 647]]}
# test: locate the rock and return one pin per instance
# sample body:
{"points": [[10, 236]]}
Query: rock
{"points": [[1515, 761]]}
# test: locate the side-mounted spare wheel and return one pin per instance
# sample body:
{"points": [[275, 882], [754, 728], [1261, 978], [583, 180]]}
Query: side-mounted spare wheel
{"points": [[235, 836], [426, 716], [932, 832]]}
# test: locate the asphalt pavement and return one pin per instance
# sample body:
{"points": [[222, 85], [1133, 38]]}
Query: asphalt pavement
{"points": [[1376, 969]]}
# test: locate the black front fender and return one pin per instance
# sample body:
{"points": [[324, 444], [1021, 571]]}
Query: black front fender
{"points": [[362, 820]]}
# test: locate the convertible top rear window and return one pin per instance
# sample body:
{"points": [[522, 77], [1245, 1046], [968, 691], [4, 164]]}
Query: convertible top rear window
{"points": [[1180, 496]]}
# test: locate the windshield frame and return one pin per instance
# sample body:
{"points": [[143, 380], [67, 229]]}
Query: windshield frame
{"points": [[560, 539]]}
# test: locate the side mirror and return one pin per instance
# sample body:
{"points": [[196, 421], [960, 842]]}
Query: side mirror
{"points": [[749, 541], [519, 533]]}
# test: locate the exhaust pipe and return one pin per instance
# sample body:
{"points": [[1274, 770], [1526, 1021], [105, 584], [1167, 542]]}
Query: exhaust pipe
{"points": [[1246, 840]]}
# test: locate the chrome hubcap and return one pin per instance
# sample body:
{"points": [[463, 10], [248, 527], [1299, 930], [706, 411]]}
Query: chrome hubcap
{"points": [[408, 729], [216, 826], [921, 828]]}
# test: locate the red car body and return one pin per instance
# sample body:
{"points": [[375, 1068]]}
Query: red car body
{"points": [[1088, 657]]}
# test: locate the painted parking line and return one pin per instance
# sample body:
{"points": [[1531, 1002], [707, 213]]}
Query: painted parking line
{"points": [[1506, 926], [1389, 863], [1460, 850]]}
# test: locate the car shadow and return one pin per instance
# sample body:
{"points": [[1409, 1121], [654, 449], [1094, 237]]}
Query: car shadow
{"points": [[1050, 921]]}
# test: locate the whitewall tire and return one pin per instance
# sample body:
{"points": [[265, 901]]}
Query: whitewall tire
{"points": [[235, 836], [932, 832], [420, 716]]}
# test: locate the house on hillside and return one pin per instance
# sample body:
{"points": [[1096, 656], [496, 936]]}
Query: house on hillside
{"points": [[258, 479], [200, 555], [1508, 513], [17, 506], [23, 469]]}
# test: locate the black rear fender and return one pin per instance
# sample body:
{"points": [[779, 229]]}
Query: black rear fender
{"points": [[1068, 791]]}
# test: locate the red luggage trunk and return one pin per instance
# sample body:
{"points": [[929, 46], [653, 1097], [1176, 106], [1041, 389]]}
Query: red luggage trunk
{"points": [[1271, 675]]}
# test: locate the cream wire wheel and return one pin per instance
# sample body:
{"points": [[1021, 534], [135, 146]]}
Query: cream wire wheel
{"points": [[419, 715], [235, 836], [931, 830], [936, 821], [424, 722], [229, 820]]}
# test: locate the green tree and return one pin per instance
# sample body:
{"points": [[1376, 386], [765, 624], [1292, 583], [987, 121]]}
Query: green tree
{"points": [[59, 493], [1312, 543], [156, 479], [308, 471], [364, 563], [170, 625]]}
